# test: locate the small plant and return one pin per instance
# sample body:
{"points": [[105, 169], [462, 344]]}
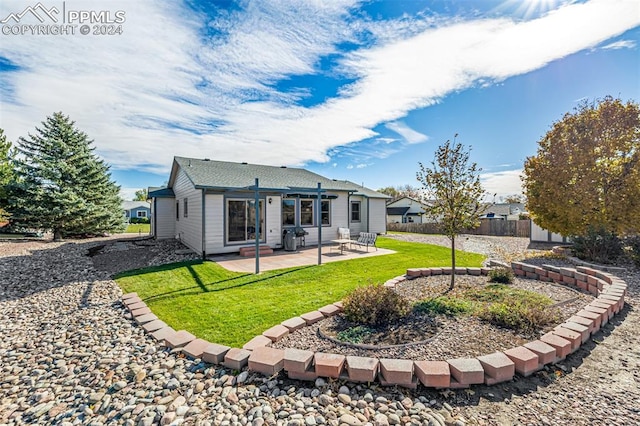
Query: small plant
{"points": [[520, 316], [521, 310], [374, 305], [450, 306], [354, 334], [501, 275]]}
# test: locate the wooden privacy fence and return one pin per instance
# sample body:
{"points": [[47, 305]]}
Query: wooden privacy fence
{"points": [[499, 228]]}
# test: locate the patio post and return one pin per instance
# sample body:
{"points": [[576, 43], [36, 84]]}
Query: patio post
{"points": [[319, 215], [257, 229]]}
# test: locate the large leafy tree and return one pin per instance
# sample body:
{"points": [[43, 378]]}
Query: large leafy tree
{"points": [[401, 191], [141, 195], [6, 173], [586, 173], [452, 186], [62, 185]]}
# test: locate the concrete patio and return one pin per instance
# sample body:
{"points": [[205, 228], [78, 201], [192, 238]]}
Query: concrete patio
{"points": [[304, 256]]}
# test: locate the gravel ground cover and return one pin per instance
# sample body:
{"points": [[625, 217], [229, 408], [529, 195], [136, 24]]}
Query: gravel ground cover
{"points": [[68, 355]]}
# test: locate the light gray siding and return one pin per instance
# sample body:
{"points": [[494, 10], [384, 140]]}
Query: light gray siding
{"points": [[357, 227], [165, 217], [377, 215], [542, 235], [214, 219], [188, 229], [215, 224], [273, 223]]}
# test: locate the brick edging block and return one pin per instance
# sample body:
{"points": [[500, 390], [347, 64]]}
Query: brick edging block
{"points": [[457, 373]]}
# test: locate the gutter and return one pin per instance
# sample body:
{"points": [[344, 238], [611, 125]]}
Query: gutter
{"points": [[204, 226]]}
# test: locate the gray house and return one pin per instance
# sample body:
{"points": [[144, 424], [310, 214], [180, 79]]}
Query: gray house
{"points": [[406, 210], [210, 205], [136, 209]]}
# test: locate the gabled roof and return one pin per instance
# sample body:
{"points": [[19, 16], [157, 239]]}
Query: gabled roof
{"points": [[128, 205], [158, 192], [397, 211], [408, 198], [209, 174]]}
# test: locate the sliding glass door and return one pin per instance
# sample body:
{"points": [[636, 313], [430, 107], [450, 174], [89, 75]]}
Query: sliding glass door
{"points": [[241, 220]]}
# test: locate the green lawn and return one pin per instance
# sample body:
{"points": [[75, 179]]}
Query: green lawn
{"points": [[230, 308], [138, 228]]}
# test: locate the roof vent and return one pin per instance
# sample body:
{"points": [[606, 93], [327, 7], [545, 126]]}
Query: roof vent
{"points": [[244, 162], [206, 159]]}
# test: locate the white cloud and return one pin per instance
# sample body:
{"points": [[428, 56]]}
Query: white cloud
{"points": [[621, 44], [128, 194], [502, 183], [166, 88], [410, 135]]}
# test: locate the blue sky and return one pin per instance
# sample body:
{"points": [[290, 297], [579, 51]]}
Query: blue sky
{"points": [[358, 90]]}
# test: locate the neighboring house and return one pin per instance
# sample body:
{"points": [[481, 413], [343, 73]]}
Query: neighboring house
{"points": [[503, 211], [136, 209], [209, 205], [406, 210]]}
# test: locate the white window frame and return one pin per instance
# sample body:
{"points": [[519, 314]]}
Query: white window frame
{"points": [[141, 213]]}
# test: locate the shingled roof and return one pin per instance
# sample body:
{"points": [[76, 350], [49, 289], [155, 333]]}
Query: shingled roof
{"points": [[210, 174]]}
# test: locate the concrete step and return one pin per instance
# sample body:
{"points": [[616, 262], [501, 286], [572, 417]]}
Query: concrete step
{"points": [[251, 251]]}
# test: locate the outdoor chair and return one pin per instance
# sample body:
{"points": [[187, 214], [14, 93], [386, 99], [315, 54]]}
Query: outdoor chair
{"points": [[366, 239], [344, 234]]}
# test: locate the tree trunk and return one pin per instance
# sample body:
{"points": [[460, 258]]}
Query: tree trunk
{"points": [[57, 235], [453, 262]]}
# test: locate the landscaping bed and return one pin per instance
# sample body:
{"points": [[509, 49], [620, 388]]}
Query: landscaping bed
{"points": [[429, 337]]}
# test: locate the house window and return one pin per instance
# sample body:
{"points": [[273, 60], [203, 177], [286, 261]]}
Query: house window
{"points": [[306, 212], [186, 208], [288, 212], [241, 220], [325, 212], [355, 211], [177, 210], [141, 213]]}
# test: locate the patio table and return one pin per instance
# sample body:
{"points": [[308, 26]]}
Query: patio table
{"points": [[342, 244]]}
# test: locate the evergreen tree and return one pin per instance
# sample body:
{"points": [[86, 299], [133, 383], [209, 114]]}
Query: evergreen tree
{"points": [[6, 174], [62, 185]]}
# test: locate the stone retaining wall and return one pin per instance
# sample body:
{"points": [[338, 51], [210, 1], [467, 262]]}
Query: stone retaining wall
{"points": [[489, 369]]}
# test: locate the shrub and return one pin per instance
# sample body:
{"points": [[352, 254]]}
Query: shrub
{"points": [[443, 305], [374, 304], [135, 220], [519, 316], [520, 310], [501, 275], [633, 245], [354, 334], [597, 245]]}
